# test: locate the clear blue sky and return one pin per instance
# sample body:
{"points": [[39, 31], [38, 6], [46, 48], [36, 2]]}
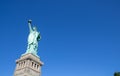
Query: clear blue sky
{"points": [[79, 37]]}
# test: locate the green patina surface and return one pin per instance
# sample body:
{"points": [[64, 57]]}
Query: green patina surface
{"points": [[33, 38]]}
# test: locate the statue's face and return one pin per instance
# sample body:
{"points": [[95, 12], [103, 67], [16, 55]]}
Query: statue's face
{"points": [[34, 28]]}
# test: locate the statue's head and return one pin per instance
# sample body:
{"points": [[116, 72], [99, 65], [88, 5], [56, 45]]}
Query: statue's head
{"points": [[34, 28]]}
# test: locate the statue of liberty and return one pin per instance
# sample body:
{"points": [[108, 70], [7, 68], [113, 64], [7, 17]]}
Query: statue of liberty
{"points": [[33, 38]]}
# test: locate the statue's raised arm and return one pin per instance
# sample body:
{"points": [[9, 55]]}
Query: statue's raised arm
{"points": [[29, 24]]}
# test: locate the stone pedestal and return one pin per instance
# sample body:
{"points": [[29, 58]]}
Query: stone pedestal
{"points": [[28, 65]]}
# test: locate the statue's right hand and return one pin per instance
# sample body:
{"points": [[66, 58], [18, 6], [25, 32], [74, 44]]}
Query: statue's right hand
{"points": [[29, 21]]}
